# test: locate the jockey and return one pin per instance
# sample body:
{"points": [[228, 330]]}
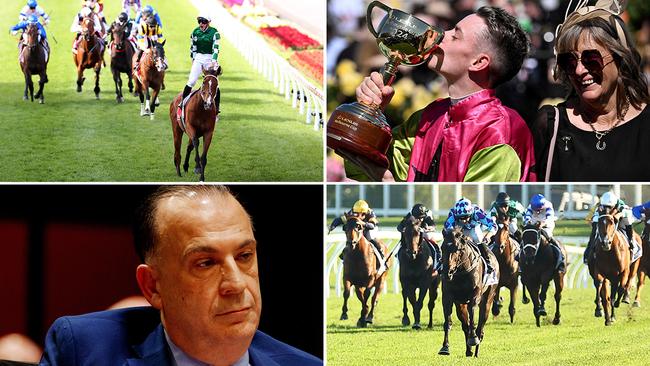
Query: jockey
{"points": [[475, 223], [362, 210], [504, 206], [97, 6], [123, 19], [127, 4], [76, 26], [427, 225], [146, 12], [150, 31], [639, 213], [32, 19], [540, 211], [204, 51], [32, 8], [622, 213]]}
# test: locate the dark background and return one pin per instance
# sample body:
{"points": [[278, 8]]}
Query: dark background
{"points": [[68, 249]]}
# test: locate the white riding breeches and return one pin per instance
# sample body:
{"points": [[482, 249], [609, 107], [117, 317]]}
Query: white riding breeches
{"points": [[372, 234], [200, 60], [512, 227], [476, 234]]}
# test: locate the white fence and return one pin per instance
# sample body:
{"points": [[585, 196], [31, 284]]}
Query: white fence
{"points": [[308, 100], [577, 275]]}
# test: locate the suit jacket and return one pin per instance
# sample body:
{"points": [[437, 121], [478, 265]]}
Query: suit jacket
{"points": [[135, 337]]}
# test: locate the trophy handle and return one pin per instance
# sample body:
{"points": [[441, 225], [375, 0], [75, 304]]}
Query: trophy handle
{"points": [[372, 5]]}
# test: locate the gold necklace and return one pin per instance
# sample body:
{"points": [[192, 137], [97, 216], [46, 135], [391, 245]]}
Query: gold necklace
{"points": [[601, 145]]}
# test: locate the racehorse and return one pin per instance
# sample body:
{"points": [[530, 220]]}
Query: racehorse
{"points": [[463, 285], [150, 74], [90, 54], [539, 264], [360, 270], [200, 118], [644, 261], [416, 271], [32, 61], [611, 264], [504, 249], [121, 58]]}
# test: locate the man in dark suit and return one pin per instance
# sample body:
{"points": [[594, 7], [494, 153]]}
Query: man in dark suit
{"points": [[200, 275]]}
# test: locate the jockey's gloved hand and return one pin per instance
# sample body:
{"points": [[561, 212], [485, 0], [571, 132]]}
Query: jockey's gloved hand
{"points": [[370, 225]]}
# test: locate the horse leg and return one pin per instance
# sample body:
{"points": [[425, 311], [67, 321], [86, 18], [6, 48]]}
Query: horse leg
{"points": [[80, 78], [605, 301], [482, 318], [207, 140], [446, 311], [346, 295], [98, 68], [130, 82], [640, 282], [197, 159], [417, 308], [188, 152], [433, 295], [598, 312], [379, 287], [534, 296], [634, 268], [524, 298], [542, 298], [29, 85], [463, 315], [118, 85], [25, 97], [154, 96], [472, 339], [178, 140], [496, 305], [41, 85], [362, 295], [405, 318], [513, 297], [147, 106], [559, 286]]}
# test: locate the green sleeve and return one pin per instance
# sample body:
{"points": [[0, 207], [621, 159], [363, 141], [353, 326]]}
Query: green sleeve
{"points": [[498, 163], [399, 153]]}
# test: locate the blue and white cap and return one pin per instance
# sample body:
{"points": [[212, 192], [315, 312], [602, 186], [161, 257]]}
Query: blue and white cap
{"points": [[537, 202], [463, 208], [32, 3]]}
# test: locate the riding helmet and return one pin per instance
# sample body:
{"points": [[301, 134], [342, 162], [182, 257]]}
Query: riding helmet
{"points": [[151, 21], [204, 16], [463, 208], [360, 206], [123, 17], [32, 4], [609, 199], [32, 19], [537, 202], [419, 211], [502, 199]]}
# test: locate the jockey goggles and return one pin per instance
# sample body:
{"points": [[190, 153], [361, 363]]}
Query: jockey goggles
{"points": [[203, 21], [592, 60]]}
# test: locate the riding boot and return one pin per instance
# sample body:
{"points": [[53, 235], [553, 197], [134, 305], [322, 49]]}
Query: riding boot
{"points": [[186, 91], [75, 44], [382, 267], [562, 267], [483, 248], [138, 54], [342, 255], [630, 236], [217, 100], [590, 243]]}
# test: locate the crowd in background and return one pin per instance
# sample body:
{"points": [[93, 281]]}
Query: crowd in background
{"points": [[352, 53]]}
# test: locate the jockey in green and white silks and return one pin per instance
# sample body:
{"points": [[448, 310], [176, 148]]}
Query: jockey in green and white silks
{"points": [[205, 53], [623, 214], [475, 223], [503, 205]]}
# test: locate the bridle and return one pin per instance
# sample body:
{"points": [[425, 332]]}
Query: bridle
{"points": [[207, 101], [535, 245]]}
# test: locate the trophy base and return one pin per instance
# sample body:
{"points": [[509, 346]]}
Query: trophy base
{"points": [[351, 132]]}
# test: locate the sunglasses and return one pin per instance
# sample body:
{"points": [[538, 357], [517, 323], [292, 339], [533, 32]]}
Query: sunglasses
{"points": [[592, 60], [203, 21]]}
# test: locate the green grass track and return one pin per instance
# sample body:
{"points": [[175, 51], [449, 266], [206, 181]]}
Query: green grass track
{"points": [[73, 137]]}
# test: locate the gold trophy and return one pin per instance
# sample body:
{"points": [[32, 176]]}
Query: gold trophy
{"points": [[360, 129]]}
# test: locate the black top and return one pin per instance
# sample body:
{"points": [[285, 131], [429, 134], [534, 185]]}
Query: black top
{"points": [[626, 157]]}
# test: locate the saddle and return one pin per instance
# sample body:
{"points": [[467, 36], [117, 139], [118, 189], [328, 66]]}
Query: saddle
{"points": [[180, 118], [637, 250]]}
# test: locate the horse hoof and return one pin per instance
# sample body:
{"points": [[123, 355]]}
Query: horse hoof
{"points": [[417, 326], [541, 312], [496, 311], [636, 304], [361, 323], [474, 341], [151, 117], [556, 321], [406, 321], [626, 299], [369, 320], [525, 300], [608, 323], [444, 351], [344, 317], [25, 97], [598, 313], [41, 101]]}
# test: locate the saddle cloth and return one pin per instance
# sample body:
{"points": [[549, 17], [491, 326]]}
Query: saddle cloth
{"points": [[181, 118], [491, 278], [637, 252]]}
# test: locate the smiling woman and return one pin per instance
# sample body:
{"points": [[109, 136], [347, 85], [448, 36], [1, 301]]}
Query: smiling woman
{"points": [[605, 120]]}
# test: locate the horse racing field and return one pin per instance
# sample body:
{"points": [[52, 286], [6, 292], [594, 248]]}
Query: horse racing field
{"points": [[580, 339], [73, 137]]}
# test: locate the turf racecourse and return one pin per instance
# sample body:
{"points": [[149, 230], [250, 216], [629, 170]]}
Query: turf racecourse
{"points": [[73, 137], [581, 339]]}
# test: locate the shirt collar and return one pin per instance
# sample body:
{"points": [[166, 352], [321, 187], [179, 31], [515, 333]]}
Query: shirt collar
{"points": [[183, 359]]}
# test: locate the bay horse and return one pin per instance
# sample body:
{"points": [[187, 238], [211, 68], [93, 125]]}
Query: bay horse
{"points": [[200, 119], [505, 249], [463, 285], [360, 267], [612, 263], [539, 265], [417, 272], [150, 74], [32, 62], [121, 59], [644, 261], [90, 54]]}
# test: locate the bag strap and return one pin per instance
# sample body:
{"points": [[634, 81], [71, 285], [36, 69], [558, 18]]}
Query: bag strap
{"points": [[551, 148]]}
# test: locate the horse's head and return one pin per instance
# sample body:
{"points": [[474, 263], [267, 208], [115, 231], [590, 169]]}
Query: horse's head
{"points": [[31, 35], [353, 229], [605, 230], [531, 239], [159, 56], [412, 237], [454, 248], [87, 28], [209, 87], [118, 35]]}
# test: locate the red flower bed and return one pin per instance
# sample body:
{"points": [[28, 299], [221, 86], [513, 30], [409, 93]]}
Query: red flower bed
{"points": [[310, 62], [289, 37]]}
